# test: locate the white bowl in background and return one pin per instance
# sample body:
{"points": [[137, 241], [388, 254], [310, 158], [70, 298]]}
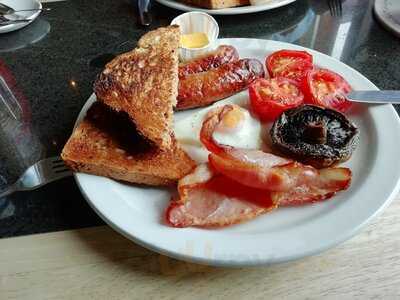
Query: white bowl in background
{"points": [[192, 22]]}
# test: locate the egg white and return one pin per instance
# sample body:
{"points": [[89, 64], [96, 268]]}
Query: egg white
{"points": [[247, 135]]}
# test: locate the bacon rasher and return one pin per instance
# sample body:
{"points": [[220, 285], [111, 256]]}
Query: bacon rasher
{"points": [[240, 184]]}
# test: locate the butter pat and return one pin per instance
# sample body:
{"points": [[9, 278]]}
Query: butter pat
{"points": [[194, 40]]}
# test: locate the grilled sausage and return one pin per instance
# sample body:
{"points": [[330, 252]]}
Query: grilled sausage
{"points": [[222, 55], [204, 88]]}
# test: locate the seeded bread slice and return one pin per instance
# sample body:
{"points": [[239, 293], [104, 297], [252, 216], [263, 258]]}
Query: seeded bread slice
{"points": [[106, 143], [144, 84]]}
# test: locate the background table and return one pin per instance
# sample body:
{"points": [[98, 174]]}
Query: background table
{"points": [[50, 67], [51, 64], [98, 263]]}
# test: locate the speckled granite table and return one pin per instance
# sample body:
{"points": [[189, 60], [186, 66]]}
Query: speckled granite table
{"points": [[50, 67], [51, 64]]}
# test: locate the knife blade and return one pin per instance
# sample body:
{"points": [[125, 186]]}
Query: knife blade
{"points": [[375, 96], [8, 22]]}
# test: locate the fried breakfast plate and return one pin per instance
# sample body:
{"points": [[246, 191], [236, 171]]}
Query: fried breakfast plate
{"points": [[227, 11], [281, 235]]}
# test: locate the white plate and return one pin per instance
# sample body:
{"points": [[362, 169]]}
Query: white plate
{"points": [[17, 5], [227, 11], [285, 234], [388, 13]]}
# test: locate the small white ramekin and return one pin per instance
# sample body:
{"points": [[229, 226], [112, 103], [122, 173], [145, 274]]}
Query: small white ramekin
{"points": [[192, 22]]}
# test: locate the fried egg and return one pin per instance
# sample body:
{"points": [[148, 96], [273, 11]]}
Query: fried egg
{"points": [[238, 128]]}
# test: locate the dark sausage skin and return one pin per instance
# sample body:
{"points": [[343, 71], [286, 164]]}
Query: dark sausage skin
{"points": [[222, 55], [204, 88]]}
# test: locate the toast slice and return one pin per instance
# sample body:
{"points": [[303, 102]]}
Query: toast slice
{"points": [[216, 4], [106, 143], [162, 38], [144, 84]]}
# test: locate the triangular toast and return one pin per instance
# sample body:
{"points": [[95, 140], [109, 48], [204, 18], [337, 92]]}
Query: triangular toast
{"points": [[106, 143], [144, 84]]}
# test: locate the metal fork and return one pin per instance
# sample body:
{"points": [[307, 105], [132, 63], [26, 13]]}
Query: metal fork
{"points": [[335, 7], [39, 174]]}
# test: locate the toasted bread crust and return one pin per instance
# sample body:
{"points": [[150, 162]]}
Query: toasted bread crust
{"points": [[118, 174], [106, 143], [163, 38], [144, 83]]}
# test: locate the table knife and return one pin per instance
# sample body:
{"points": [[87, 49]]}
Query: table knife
{"points": [[8, 22], [375, 96]]}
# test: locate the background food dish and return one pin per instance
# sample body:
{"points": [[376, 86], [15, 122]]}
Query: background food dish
{"points": [[227, 11], [283, 235], [387, 12], [21, 4], [215, 4]]}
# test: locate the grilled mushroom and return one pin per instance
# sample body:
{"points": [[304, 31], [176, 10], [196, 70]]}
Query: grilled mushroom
{"points": [[314, 135]]}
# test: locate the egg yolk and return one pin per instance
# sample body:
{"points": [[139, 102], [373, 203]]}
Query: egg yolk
{"points": [[231, 121]]}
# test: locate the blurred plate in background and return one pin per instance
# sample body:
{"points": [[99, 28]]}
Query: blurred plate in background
{"points": [[388, 13], [227, 11], [18, 5]]}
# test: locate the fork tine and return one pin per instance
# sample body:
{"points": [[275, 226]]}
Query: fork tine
{"points": [[59, 175], [58, 163], [55, 159], [63, 171], [330, 7], [335, 7], [55, 168], [61, 167]]}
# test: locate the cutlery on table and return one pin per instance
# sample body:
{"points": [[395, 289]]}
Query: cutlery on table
{"points": [[8, 103], [9, 22], [7, 10], [144, 13], [39, 174], [374, 96]]}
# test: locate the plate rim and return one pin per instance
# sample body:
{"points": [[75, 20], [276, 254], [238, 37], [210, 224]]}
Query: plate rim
{"points": [[240, 263], [226, 11], [385, 19]]}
